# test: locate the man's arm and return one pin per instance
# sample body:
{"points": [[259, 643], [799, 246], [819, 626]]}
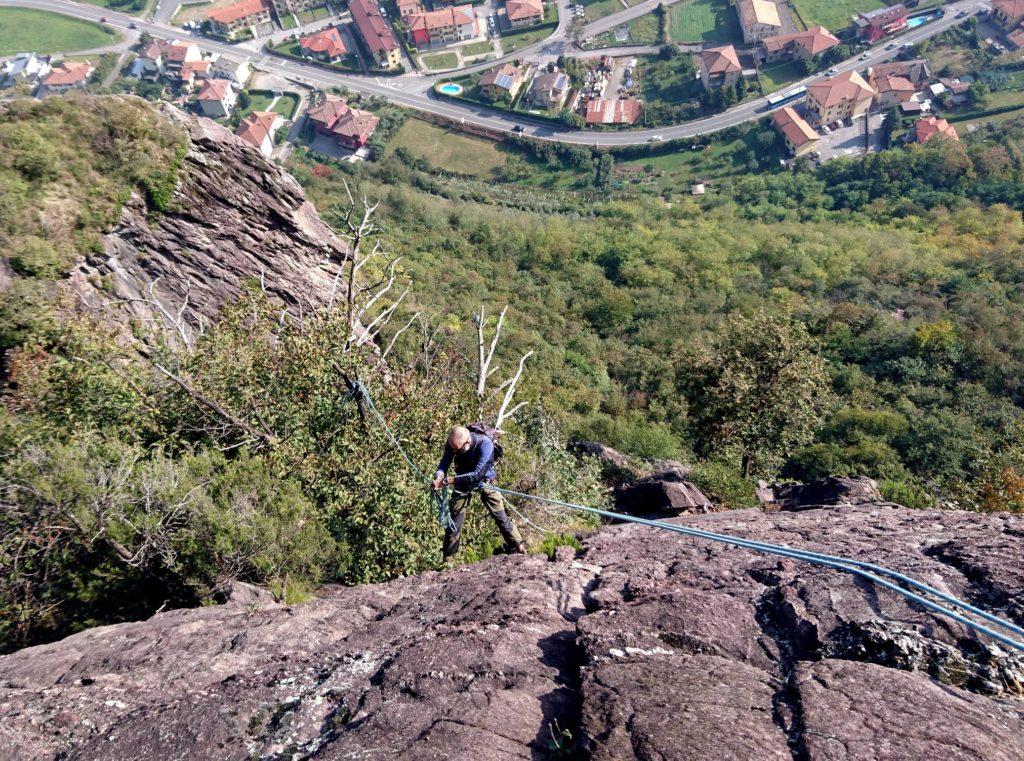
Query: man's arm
{"points": [[446, 461], [486, 454]]}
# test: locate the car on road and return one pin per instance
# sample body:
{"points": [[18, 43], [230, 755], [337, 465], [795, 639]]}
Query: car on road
{"points": [[133, 25], [656, 139], [865, 56], [103, 19], [825, 129], [962, 14], [518, 128], [831, 72]]}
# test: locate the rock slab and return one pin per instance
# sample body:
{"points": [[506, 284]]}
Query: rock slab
{"points": [[644, 645]]}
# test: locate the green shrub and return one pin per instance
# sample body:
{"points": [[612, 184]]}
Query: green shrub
{"points": [[35, 257], [906, 493], [722, 484]]}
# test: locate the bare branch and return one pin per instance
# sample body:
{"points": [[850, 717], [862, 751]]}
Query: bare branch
{"points": [[503, 412]]}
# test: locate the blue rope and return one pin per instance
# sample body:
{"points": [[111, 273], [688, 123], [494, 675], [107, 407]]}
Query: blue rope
{"points": [[865, 570], [869, 571]]}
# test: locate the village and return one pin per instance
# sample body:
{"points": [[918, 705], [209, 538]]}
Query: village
{"points": [[819, 114]]}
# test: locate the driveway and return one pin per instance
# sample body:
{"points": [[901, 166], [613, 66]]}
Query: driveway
{"points": [[852, 141]]}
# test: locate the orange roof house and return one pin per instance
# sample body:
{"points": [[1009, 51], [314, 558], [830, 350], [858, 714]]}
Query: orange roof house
{"points": [[613, 111], [524, 12], [326, 45], [258, 128], [928, 127], [838, 97], [800, 45], [67, 74], [719, 66], [796, 132]]}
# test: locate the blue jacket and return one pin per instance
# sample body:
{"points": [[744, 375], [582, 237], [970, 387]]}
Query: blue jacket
{"points": [[472, 468]]}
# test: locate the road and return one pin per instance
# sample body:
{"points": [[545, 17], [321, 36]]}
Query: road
{"points": [[415, 91]]}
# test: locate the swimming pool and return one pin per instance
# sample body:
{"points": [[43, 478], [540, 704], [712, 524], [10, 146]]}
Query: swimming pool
{"points": [[450, 88], [916, 21]]}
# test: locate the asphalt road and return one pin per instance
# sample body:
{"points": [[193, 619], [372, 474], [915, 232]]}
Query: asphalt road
{"points": [[415, 91]]}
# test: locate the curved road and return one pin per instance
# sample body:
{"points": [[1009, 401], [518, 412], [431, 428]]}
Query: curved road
{"points": [[415, 91]]}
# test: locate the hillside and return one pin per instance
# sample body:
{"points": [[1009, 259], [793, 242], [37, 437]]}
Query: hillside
{"points": [[643, 645]]}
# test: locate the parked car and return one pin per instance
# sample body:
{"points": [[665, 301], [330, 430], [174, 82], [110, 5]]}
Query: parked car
{"points": [[518, 128], [656, 139], [831, 72], [133, 25], [825, 129]]}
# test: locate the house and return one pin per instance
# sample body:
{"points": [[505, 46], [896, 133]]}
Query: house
{"points": [[502, 82], [408, 7], [911, 107], [917, 70], [326, 45], [1008, 13], [891, 89], [230, 20], [613, 111], [442, 27], [375, 33], [258, 128], [758, 19], [549, 90], [216, 98], [874, 25], [24, 67], [521, 13], [719, 67], [331, 116], [798, 135], [234, 71], [928, 127], [797, 46], [162, 57], [65, 76], [193, 71], [1016, 38], [839, 97]]}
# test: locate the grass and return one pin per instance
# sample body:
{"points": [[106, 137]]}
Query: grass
{"points": [[314, 14], [668, 81], [595, 9], [779, 75], [289, 22], [678, 170], [644, 30], [448, 149], [25, 29], [703, 21], [259, 100], [477, 48], [134, 7], [287, 104], [834, 15], [521, 38], [438, 61], [1005, 99]]}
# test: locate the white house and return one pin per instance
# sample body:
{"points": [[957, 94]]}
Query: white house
{"points": [[24, 67], [238, 73], [258, 128], [217, 98], [65, 76]]}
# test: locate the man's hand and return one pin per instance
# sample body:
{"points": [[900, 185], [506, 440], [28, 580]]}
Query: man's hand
{"points": [[439, 481]]}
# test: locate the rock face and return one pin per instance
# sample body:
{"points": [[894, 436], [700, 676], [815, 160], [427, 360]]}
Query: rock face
{"points": [[233, 217], [834, 490], [666, 492], [644, 645]]}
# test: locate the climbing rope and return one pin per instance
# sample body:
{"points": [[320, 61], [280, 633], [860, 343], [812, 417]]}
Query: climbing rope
{"points": [[869, 571]]}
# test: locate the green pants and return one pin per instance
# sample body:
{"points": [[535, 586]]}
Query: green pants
{"points": [[495, 506]]}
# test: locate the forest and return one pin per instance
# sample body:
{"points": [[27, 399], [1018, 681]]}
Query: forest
{"points": [[864, 318]]}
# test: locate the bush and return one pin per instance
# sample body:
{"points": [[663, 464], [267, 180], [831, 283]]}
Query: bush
{"points": [[906, 493], [35, 257], [723, 485]]}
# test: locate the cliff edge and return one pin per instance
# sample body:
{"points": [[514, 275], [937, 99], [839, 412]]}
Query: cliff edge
{"points": [[645, 645]]}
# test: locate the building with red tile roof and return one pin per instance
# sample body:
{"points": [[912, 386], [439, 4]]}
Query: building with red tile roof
{"points": [[326, 45], [833, 98], [928, 127], [798, 46], [613, 111], [332, 117], [442, 27], [1008, 13], [892, 89], [407, 7], [502, 81], [231, 19], [65, 76], [258, 128], [874, 25], [375, 33], [521, 13], [719, 67], [217, 98], [798, 135], [192, 71]]}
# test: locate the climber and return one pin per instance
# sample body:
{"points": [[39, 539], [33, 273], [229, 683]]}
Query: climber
{"points": [[473, 457]]}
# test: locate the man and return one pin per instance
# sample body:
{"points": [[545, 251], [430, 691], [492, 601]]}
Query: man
{"points": [[473, 457]]}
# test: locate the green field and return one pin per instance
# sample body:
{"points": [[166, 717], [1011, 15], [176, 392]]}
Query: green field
{"points": [[595, 9], [703, 21], [448, 149], [24, 29], [477, 48], [288, 22], [314, 14], [644, 30], [671, 82], [997, 100], [439, 61], [779, 75], [287, 104], [135, 7], [834, 15], [519, 39]]}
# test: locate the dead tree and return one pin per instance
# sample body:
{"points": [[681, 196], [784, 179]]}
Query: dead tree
{"points": [[486, 367]]}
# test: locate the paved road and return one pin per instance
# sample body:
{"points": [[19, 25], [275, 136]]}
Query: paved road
{"points": [[619, 18], [414, 91]]}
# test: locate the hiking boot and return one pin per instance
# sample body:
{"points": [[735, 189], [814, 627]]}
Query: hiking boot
{"points": [[520, 549]]}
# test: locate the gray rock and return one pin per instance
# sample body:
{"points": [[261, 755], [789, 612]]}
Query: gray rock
{"points": [[607, 455], [234, 592], [666, 492], [829, 491], [646, 645]]}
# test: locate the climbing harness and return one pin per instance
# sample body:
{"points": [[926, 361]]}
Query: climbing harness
{"points": [[869, 571]]}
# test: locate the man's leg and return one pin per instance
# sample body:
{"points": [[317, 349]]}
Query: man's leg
{"points": [[496, 507], [457, 512]]}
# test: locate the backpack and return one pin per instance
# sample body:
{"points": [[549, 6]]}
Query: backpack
{"points": [[481, 428]]}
